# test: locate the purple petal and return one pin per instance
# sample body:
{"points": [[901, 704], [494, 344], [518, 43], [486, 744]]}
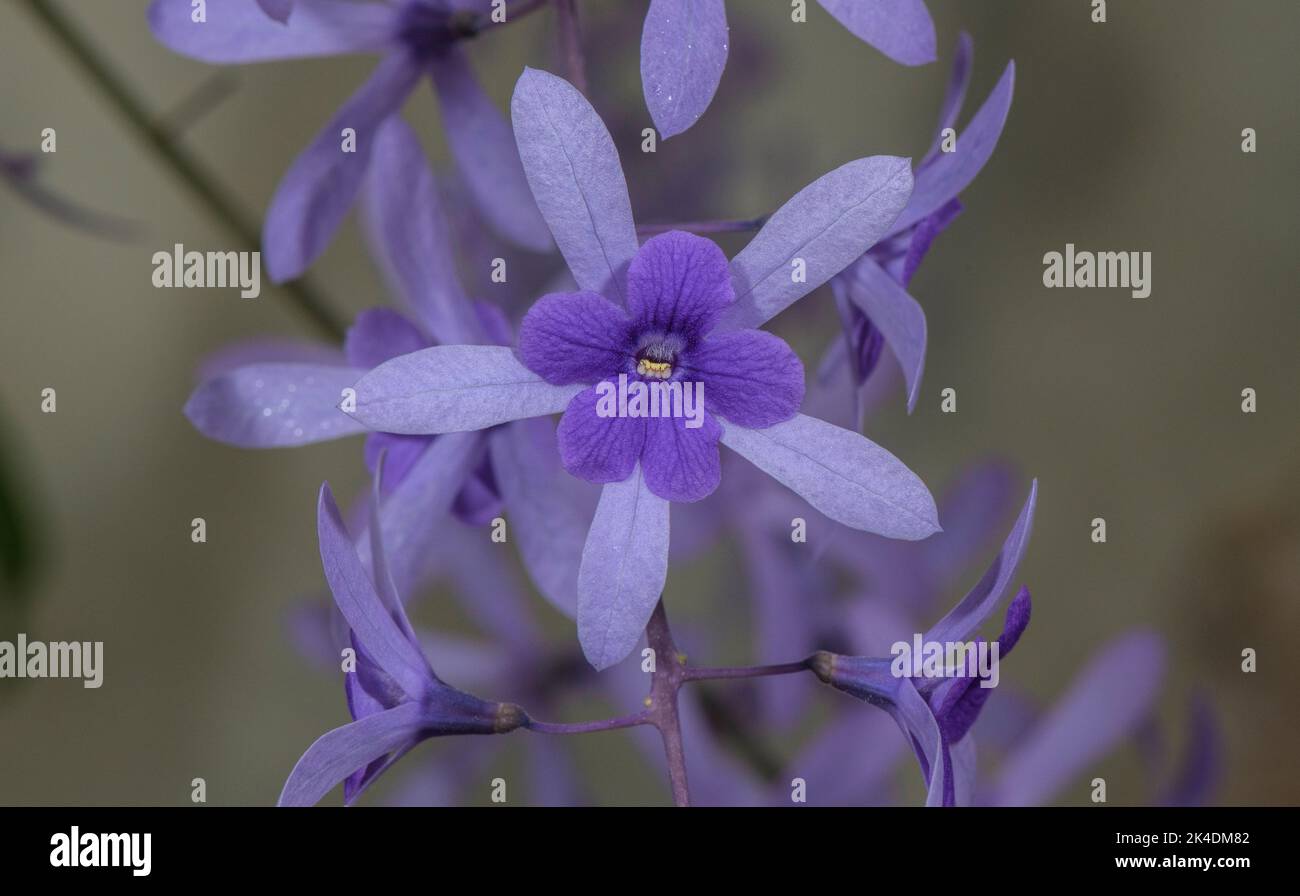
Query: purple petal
{"points": [[409, 235], [547, 524], [317, 190], [574, 337], [595, 448], [955, 96], [379, 335], [972, 510], [484, 149], [979, 602], [413, 510], [681, 463], [577, 180], [277, 9], [751, 377], [950, 173], [274, 405], [683, 53], [851, 760], [337, 754], [354, 594], [624, 566], [901, 29], [452, 388], [239, 31], [402, 454], [918, 723], [842, 474], [827, 224], [678, 283], [1107, 700], [897, 315]]}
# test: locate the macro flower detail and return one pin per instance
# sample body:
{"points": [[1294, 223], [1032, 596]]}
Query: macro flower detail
{"points": [[871, 294], [414, 38], [936, 713], [668, 306], [395, 698], [678, 285], [684, 49]]}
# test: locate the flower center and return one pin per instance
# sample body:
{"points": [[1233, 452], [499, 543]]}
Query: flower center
{"points": [[656, 355]]}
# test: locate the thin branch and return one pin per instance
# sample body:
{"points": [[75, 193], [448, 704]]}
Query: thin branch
{"points": [[185, 166], [667, 679], [575, 64], [706, 673], [640, 718]]}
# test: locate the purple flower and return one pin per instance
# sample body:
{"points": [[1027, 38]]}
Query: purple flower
{"points": [[415, 38], [872, 294], [395, 698], [684, 49], [936, 714], [669, 307], [272, 394]]}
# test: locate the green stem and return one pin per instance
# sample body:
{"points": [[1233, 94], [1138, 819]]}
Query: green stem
{"points": [[185, 166]]}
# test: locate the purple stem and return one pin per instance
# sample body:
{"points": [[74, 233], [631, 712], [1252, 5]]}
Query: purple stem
{"points": [[566, 12], [640, 718], [728, 225], [669, 673], [705, 673]]}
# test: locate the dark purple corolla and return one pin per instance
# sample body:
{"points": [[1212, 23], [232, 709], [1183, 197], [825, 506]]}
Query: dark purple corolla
{"points": [[415, 38], [936, 713], [871, 294], [684, 48], [395, 698], [666, 306]]}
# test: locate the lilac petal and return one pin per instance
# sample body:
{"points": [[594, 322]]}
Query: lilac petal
{"points": [[409, 235], [901, 29], [277, 9], [379, 335], [402, 454], [827, 224], [337, 754], [897, 315], [678, 283], [842, 474], [577, 180], [914, 716], [950, 173], [452, 388], [239, 31], [751, 377], [574, 337], [380, 571], [317, 190], [974, 608], [595, 448], [1106, 701], [681, 463], [268, 350], [923, 237], [955, 97], [484, 149], [547, 525], [683, 53], [624, 566], [354, 594], [274, 405], [411, 513], [962, 769], [492, 594], [971, 509]]}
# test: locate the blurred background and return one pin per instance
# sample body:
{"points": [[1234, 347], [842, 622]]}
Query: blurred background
{"points": [[1122, 136]]}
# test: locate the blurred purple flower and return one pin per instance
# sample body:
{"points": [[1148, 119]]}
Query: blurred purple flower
{"points": [[395, 698], [936, 714], [574, 171], [871, 294], [684, 46], [415, 37]]}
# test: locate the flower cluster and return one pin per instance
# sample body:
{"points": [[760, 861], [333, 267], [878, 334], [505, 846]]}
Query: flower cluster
{"points": [[458, 400]]}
